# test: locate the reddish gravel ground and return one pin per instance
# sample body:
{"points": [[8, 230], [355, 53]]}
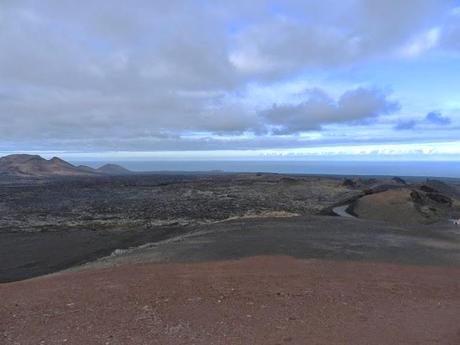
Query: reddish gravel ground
{"points": [[262, 300]]}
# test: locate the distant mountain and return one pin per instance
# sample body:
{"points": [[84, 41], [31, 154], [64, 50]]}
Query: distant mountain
{"points": [[87, 168], [23, 165], [113, 169]]}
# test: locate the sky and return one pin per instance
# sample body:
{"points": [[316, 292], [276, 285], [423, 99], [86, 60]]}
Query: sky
{"points": [[205, 79]]}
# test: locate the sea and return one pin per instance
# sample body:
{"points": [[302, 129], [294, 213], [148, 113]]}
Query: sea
{"points": [[448, 169]]}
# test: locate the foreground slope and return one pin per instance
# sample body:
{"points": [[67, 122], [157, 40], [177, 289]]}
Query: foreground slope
{"points": [[263, 300]]}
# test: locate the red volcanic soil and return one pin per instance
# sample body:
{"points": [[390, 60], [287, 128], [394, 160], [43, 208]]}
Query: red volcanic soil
{"points": [[262, 300]]}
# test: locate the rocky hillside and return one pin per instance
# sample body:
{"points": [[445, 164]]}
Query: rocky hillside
{"points": [[23, 165]]}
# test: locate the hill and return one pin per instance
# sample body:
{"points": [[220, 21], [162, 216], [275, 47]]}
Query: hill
{"points": [[24, 165], [87, 168], [113, 169]]}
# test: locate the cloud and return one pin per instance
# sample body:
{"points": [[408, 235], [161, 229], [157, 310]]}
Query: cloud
{"points": [[136, 75], [450, 39], [319, 109], [444, 36], [405, 125], [304, 34], [436, 118], [433, 118], [422, 43]]}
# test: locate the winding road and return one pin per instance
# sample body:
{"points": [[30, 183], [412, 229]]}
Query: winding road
{"points": [[342, 211]]}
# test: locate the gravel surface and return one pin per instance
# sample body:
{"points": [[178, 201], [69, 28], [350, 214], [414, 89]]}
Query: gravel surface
{"points": [[262, 300]]}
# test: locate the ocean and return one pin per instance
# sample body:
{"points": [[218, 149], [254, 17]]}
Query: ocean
{"points": [[375, 168]]}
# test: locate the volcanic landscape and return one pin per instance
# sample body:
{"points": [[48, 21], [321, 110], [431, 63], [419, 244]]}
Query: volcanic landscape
{"points": [[107, 256]]}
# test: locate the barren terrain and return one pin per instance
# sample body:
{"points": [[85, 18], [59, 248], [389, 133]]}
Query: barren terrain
{"points": [[264, 300], [229, 259]]}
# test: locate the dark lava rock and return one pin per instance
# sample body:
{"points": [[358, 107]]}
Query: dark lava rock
{"points": [[439, 186], [428, 189], [416, 197], [348, 183], [290, 180], [399, 180], [439, 198]]}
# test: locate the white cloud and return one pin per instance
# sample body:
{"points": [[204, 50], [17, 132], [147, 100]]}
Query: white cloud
{"points": [[424, 42], [429, 151]]}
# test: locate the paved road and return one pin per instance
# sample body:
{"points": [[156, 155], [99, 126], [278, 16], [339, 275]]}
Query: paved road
{"points": [[342, 211]]}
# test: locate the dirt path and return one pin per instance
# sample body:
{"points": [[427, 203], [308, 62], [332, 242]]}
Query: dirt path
{"points": [[262, 300]]}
